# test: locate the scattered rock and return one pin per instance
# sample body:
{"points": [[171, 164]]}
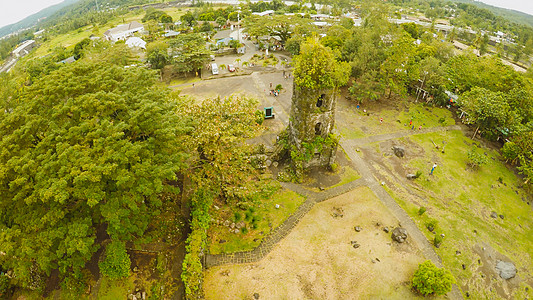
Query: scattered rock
{"points": [[383, 183], [357, 228], [502, 216], [386, 229], [378, 259], [457, 252], [338, 212], [130, 296], [355, 244], [232, 225], [133, 297], [216, 207], [493, 215], [507, 270], [373, 261], [467, 295], [256, 296], [226, 223], [143, 295], [431, 228], [268, 163], [398, 151], [276, 206], [225, 273], [321, 188], [275, 164], [464, 267], [138, 295], [411, 176], [399, 234], [237, 231], [221, 241]]}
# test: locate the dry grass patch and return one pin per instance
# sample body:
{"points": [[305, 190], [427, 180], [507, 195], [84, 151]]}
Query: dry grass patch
{"points": [[317, 261]]}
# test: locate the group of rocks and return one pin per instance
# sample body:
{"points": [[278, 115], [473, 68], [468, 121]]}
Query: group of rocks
{"points": [[338, 212], [138, 295], [399, 235], [233, 227], [494, 215]]}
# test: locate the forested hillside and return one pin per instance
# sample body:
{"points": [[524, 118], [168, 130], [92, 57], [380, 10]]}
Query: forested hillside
{"points": [[34, 19]]}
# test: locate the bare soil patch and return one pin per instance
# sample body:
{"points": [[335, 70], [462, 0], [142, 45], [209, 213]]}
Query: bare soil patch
{"points": [[317, 259]]}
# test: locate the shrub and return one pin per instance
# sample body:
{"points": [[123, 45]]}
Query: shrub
{"points": [[421, 210], [237, 216], [5, 288], [279, 87], [418, 174], [431, 224], [117, 262], [437, 240], [476, 159], [259, 116], [334, 167], [429, 279]]}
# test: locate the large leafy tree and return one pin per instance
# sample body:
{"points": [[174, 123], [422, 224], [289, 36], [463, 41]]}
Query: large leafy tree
{"points": [[277, 25], [86, 148], [399, 68], [189, 52], [316, 67], [490, 111], [220, 128]]}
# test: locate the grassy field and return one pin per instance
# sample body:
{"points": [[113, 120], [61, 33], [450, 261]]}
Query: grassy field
{"points": [[259, 222], [459, 201], [68, 40], [354, 123]]}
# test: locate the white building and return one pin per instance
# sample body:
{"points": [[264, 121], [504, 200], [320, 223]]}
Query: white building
{"points": [[121, 32], [264, 13], [136, 42], [24, 48]]}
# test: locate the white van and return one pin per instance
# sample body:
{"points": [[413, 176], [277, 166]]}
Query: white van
{"points": [[214, 69]]}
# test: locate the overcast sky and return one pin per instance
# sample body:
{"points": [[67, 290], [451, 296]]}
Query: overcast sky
{"points": [[12, 11]]}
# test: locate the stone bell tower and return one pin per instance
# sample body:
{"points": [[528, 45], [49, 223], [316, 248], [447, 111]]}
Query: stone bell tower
{"points": [[312, 116]]}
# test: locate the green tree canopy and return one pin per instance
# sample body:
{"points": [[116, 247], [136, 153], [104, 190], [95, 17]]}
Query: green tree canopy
{"points": [[189, 52], [430, 280], [277, 25], [87, 147], [316, 68]]}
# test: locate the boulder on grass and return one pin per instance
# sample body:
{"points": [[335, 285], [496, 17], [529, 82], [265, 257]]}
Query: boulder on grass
{"points": [[399, 234]]}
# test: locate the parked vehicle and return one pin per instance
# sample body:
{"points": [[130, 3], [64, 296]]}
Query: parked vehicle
{"points": [[214, 69], [231, 68]]}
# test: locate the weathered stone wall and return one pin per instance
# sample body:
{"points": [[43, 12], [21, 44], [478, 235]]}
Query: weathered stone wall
{"points": [[313, 115]]}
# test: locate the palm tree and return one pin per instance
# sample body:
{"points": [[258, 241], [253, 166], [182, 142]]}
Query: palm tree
{"points": [[238, 60], [222, 66], [245, 63]]}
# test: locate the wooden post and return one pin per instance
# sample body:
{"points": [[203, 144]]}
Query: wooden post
{"points": [[475, 132]]}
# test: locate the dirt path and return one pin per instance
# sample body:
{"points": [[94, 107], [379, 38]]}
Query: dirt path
{"points": [[284, 229], [364, 169], [368, 179]]}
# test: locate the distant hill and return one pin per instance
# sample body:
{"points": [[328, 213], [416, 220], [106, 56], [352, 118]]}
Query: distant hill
{"points": [[34, 19], [509, 14]]}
